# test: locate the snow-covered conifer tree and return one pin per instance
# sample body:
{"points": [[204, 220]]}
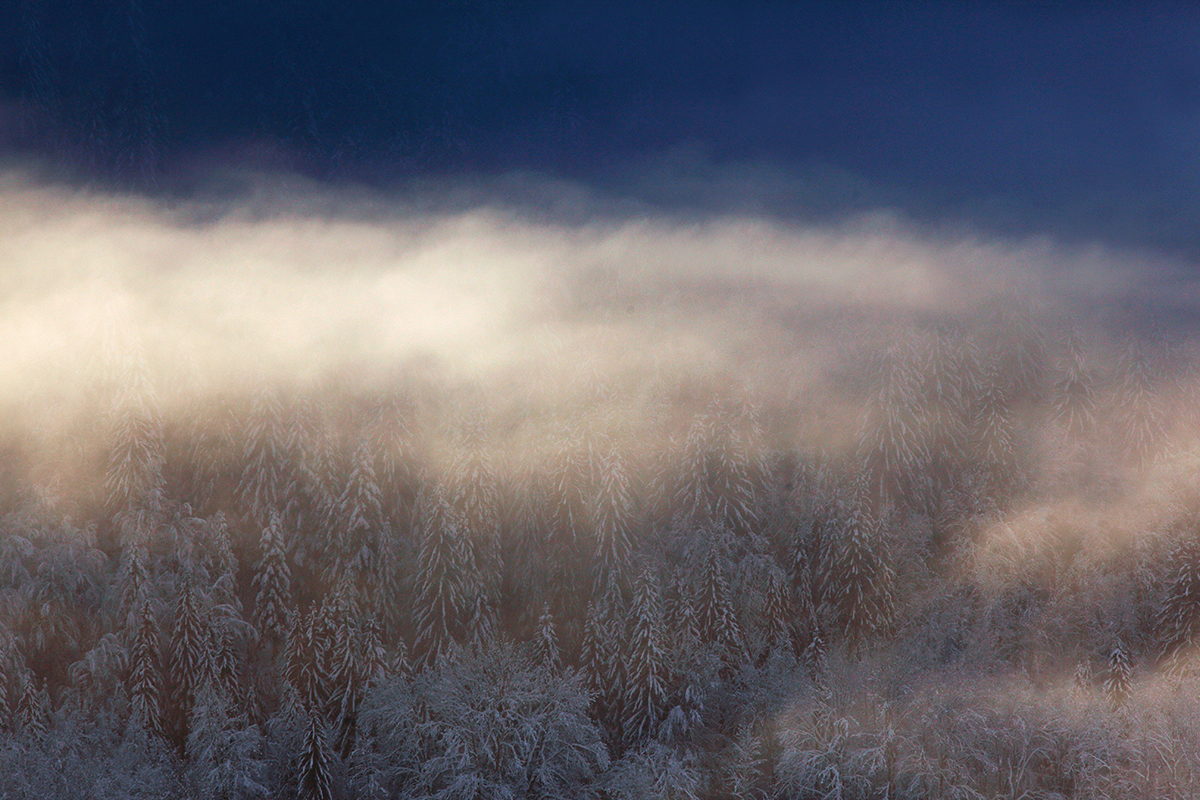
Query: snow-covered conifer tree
{"points": [[545, 642], [447, 582], [138, 456], [778, 619], [224, 754], [272, 580], [865, 584], [815, 657], [360, 520], [948, 384], [1179, 618], [145, 673], [317, 480], [1139, 418], [716, 475], [33, 708], [472, 491], [734, 466], [612, 520], [995, 429], [189, 656], [1119, 677], [375, 666], [1074, 392], [314, 768], [893, 450], [643, 702], [601, 654], [266, 477], [715, 614]]}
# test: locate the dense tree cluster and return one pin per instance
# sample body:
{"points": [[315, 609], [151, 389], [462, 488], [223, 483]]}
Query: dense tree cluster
{"points": [[322, 595]]}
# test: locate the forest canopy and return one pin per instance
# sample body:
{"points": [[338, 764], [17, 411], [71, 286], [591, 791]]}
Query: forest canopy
{"points": [[314, 493]]}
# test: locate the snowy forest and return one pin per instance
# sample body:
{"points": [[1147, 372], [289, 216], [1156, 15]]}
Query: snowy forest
{"points": [[943, 554]]}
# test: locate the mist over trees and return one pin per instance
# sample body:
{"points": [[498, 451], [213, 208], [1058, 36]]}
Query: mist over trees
{"points": [[961, 563]]}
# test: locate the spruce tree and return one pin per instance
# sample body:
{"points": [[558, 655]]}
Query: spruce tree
{"points": [[612, 520], [995, 430], [644, 698], [545, 642], [601, 655], [189, 657], [272, 580], [732, 470], [359, 521], [33, 708], [893, 450], [715, 615], [1139, 418], [1179, 618], [865, 584], [778, 619], [1120, 672], [138, 457], [815, 657], [1074, 393], [266, 479], [314, 775], [145, 675], [447, 583]]}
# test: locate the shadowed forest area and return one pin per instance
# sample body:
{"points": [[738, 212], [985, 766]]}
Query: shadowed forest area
{"points": [[855, 550]]}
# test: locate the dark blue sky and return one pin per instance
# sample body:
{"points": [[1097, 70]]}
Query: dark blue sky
{"points": [[1077, 120]]}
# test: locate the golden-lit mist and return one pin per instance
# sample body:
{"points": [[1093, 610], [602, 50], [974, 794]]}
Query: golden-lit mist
{"points": [[1010, 425]]}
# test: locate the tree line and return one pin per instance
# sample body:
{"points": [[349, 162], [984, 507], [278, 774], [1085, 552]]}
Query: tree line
{"points": [[371, 594]]}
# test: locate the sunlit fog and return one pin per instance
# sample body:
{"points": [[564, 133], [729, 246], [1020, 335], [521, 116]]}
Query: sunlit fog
{"points": [[416, 493]]}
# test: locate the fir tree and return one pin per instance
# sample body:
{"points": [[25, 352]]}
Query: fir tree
{"points": [[33, 708], [682, 623], [1082, 679], [473, 492], [949, 384], [1074, 395], [189, 657], [545, 642], [224, 755], [313, 768], [995, 428], [645, 690], [213, 538], [1139, 418], [133, 583], [265, 480], [732, 469], [893, 450], [600, 656], [778, 617], [272, 580], [1119, 677], [576, 504], [145, 676], [447, 583], [613, 519], [864, 597], [715, 615], [318, 493], [360, 520], [690, 500], [375, 666], [1179, 618], [815, 657], [716, 480], [305, 667], [138, 456]]}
